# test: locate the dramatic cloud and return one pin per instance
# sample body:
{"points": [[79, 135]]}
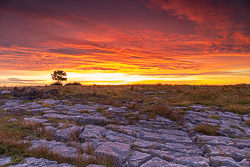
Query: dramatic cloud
{"points": [[156, 38]]}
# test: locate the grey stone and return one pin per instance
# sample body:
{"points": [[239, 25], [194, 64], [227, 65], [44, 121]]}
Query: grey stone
{"points": [[93, 165], [172, 132], [166, 155], [57, 147], [213, 140], [147, 138], [223, 141], [140, 143], [119, 152], [158, 162], [36, 120], [163, 119], [116, 109], [199, 107], [57, 116], [229, 151], [129, 130], [244, 163], [50, 130], [92, 131], [10, 103], [49, 111], [178, 147], [5, 92], [195, 161], [223, 161], [69, 134], [166, 138], [118, 137], [41, 162], [51, 101], [4, 160], [91, 119], [138, 158]]}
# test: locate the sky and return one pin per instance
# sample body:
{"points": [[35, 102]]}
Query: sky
{"points": [[125, 41]]}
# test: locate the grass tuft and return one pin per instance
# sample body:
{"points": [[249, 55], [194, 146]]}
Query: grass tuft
{"points": [[165, 111], [247, 122], [237, 127], [207, 129], [214, 117]]}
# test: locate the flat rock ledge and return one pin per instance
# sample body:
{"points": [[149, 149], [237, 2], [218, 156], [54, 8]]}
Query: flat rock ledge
{"points": [[145, 143]]}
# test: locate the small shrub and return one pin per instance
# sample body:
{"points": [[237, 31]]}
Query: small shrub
{"points": [[56, 83], [74, 83]]}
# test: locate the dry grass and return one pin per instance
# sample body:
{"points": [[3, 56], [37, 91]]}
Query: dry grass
{"points": [[79, 161], [214, 117], [235, 98], [237, 127], [12, 131], [207, 129], [67, 122], [165, 111], [160, 101], [103, 111], [90, 149], [247, 122], [74, 136]]}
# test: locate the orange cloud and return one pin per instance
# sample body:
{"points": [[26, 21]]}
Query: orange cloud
{"points": [[154, 38]]}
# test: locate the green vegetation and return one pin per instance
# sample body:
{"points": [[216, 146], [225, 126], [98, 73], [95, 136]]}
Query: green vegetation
{"points": [[247, 122], [165, 111], [234, 98], [214, 117], [237, 127], [149, 100], [207, 129], [13, 129], [103, 111]]}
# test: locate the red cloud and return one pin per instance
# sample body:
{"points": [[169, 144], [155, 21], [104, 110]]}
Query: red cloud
{"points": [[224, 25]]}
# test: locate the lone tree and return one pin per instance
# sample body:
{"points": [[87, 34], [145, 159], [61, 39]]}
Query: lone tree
{"points": [[59, 76]]}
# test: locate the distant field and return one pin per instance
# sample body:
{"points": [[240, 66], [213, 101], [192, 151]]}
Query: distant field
{"points": [[234, 98]]}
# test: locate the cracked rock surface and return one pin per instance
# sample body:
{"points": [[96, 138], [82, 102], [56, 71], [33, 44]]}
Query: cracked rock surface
{"points": [[145, 143]]}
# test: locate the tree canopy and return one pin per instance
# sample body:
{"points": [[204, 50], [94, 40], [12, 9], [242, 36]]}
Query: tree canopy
{"points": [[59, 76]]}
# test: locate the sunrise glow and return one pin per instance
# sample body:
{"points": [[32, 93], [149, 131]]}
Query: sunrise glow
{"points": [[125, 42]]}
